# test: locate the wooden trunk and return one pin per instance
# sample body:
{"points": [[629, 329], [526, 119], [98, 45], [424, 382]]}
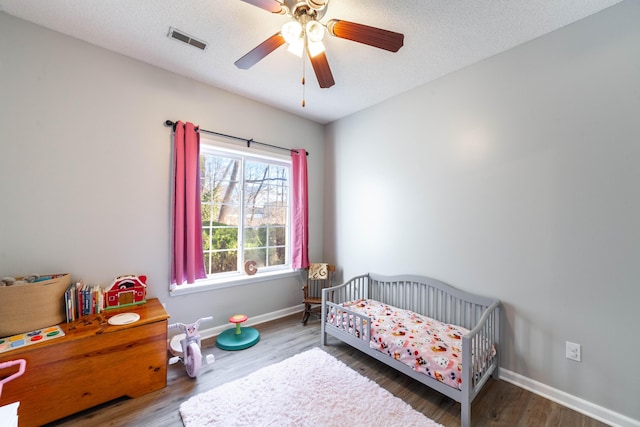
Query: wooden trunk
{"points": [[93, 363]]}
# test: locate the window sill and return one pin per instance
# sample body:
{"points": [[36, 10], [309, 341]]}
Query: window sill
{"points": [[229, 282]]}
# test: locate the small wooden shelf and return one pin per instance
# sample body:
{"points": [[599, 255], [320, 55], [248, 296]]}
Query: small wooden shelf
{"points": [[94, 362]]}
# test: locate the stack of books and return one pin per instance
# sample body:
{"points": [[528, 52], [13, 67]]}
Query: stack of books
{"points": [[82, 299]]}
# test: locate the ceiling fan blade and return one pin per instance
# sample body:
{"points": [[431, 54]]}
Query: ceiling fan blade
{"points": [[322, 70], [272, 6], [260, 51], [376, 37]]}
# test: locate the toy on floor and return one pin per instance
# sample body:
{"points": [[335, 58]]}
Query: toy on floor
{"points": [[186, 347], [239, 337], [21, 363], [9, 413]]}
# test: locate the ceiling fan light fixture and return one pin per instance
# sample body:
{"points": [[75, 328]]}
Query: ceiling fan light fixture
{"points": [[297, 47], [292, 32], [315, 31]]}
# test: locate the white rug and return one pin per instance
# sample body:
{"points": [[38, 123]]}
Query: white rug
{"points": [[309, 389]]}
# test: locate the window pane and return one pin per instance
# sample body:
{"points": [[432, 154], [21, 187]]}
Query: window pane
{"points": [[222, 262], [217, 214], [257, 255], [255, 237], [206, 239], [224, 238], [227, 215], [253, 192], [277, 236], [207, 262], [218, 177], [277, 256], [227, 192], [254, 215], [277, 215]]}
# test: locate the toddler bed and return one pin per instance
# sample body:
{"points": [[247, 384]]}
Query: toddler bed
{"points": [[440, 336]]}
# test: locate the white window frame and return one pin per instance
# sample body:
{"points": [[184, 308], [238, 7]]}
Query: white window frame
{"points": [[239, 278]]}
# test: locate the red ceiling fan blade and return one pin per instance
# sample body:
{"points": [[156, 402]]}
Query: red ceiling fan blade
{"points": [[260, 51], [322, 70], [272, 6], [376, 37]]}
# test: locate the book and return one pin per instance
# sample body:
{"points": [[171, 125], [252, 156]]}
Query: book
{"points": [[82, 299]]}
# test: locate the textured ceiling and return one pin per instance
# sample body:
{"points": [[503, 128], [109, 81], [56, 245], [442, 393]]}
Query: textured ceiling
{"points": [[441, 36]]}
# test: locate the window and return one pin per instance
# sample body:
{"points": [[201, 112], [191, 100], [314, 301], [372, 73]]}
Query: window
{"points": [[245, 211]]}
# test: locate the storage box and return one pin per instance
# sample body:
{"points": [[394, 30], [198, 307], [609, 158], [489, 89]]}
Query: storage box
{"points": [[31, 306]]}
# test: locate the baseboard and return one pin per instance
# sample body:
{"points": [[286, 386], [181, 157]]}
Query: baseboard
{"points": [[585, 407], [216, 330]]}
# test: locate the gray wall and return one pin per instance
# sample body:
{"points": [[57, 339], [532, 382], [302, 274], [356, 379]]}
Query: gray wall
{"points": [[85, 166], [516, 178]]}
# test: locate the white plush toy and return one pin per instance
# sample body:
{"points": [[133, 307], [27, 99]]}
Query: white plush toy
{"points": [[7, 281], [12, 281]]}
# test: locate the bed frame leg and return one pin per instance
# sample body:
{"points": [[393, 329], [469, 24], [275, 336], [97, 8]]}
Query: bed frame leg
{"points": [[496, 373], [323, 334], [465, 414]]}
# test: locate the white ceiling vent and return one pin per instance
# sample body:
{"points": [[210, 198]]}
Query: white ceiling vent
{"points": [[179, 35]]}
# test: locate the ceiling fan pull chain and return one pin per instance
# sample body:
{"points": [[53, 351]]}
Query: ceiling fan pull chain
{"points": [[303, 82]]}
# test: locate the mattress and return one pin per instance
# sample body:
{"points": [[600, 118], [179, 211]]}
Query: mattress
{"points": [[426, 345]]}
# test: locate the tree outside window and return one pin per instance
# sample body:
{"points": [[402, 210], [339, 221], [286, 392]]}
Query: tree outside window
{"points": [[245, 212]]}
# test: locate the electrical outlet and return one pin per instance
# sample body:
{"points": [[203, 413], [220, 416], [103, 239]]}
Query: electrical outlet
{"points": [[574, 351]]}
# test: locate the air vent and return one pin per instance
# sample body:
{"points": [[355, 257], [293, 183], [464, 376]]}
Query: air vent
{"points": [[186, 38]]}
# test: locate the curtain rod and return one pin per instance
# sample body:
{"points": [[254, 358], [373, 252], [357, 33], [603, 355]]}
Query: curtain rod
{"points": [[248, 141]]}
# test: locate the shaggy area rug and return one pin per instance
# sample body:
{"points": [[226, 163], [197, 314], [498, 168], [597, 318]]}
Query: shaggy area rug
{"points": [[309, 389]]}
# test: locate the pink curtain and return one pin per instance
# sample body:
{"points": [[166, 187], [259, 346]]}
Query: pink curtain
{"points": [[187, 264], [300, 210]]}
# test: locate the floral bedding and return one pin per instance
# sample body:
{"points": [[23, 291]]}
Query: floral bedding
{"points": [[426, 345]]}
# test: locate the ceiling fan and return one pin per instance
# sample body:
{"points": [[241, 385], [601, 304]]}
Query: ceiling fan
{"points": [[305, 33]]}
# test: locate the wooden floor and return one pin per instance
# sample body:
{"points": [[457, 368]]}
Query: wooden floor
{"points": [[499, 404]]}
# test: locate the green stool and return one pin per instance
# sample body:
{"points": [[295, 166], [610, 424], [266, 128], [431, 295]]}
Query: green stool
{"points": [[238, 338]]}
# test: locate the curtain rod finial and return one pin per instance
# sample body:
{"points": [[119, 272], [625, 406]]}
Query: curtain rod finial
{"points": [[168, 123]]}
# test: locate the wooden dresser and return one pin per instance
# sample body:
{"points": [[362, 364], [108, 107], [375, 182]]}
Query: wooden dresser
{"points": [[93, 363]]}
